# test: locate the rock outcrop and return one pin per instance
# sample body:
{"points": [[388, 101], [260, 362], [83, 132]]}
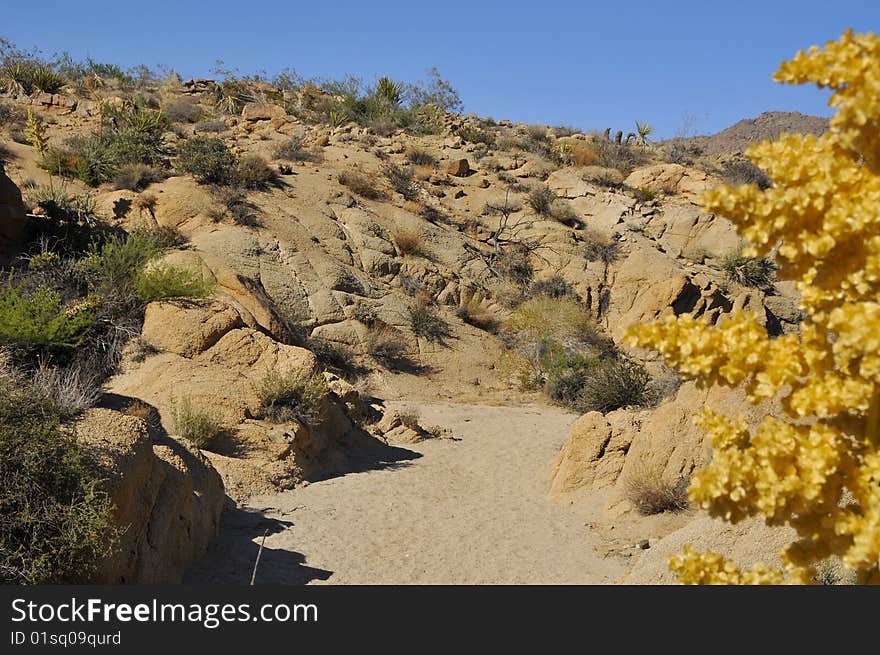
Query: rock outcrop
{"points": [[12, 215], [167, 498]]}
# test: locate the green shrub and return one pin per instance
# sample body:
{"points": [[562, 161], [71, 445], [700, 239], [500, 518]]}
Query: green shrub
{"points": [[293, 150], [425, 322], [616, 383], [28, 76], [748, 271], [198, 425], [207, 159], [62, 206], [472, 134], [162, 282], [291, 395], [56, 518], [39, 324]]}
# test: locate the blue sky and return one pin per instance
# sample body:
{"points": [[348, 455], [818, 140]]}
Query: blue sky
{"points": [[590, 65]]}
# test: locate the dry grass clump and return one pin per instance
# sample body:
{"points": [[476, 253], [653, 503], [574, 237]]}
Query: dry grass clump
{"points": [[601, 249], [365, 185], [401, 179], [198, 425], [388, 346], [425, 322], [474, 313], [419, 157], [748, 271], [615, 383], [291, 395], [409, 242], [650, 494]]}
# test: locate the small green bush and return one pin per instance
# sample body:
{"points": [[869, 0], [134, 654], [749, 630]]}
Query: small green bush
{"points": [[39, 323], [198, 425], [207, 159], [162, 282], [291, 395], [136, 177], [56, 518]]}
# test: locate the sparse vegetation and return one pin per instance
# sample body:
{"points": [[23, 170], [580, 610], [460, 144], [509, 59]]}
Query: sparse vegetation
{"points": [[650, 493], [418, 157], [207, 159], [541, 200], [56, 521], [473, 313], [743, 171], [388, 346], [401, 180], [291, 395], [409, 242], [748, 271], [293, 150], [426, 322], [615, 383], [161, 282], [362, 184], [198, 425], [252, 172]]}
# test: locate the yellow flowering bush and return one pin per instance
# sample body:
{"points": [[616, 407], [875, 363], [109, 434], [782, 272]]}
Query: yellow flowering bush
{"points": [[817, 468]]}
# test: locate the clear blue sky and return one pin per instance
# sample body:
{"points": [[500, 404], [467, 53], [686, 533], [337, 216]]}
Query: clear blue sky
{"points": [[587, 64]]}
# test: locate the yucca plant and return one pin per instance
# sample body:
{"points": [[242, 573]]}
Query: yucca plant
{"points": [[644, 130], [389, 90], [338, 118]]}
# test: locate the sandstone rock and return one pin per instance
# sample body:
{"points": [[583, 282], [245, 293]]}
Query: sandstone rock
{"points": [[167, 499], [12, 215], [747, 543], [256, 111], [671, 178], [188, 328], [567, 183], [458, 167]]}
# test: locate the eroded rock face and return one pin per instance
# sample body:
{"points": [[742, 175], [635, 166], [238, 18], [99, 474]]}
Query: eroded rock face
{"points": [[604, 451], [167, 497], [12, 215]]}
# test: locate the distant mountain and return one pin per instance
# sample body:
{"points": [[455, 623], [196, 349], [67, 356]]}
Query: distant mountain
{"points": [[768, 125]]}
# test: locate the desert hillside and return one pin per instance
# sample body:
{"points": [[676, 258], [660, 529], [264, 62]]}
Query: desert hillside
{"points": [[386, 333]]}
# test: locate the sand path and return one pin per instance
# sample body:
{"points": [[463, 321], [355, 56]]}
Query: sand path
{"points": [[472, 510]]}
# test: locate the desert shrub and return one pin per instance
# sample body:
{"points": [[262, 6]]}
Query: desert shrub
{"points": [[425, 322], [742, 171], [514, 264], [644, 194], [473, 313], [409, 241], [69, 391], [365, 313], [135, 135], [473, 134], [56, 522], [252, 172], [418, 157], [388, 346], [291, 395], [362, 184], [198, 425], [410, 418], [650, 493], [623, 156], [169, 282], [38, 323], [181, 110], [335, 357], [146, 202], [615, 383], [541, 200], [554, 287], [207, 159], [10, 115], [234, 204], [748, 271], [293, 150], [575, 152], [401, 180], [62, 206], [136, 177], [601, 249]]}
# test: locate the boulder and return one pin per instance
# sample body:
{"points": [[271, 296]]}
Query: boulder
{"points": [[258, 111], [671, 178], [167, 499], [12, 215], [568, 183], [458, 167], [188, 328]]}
